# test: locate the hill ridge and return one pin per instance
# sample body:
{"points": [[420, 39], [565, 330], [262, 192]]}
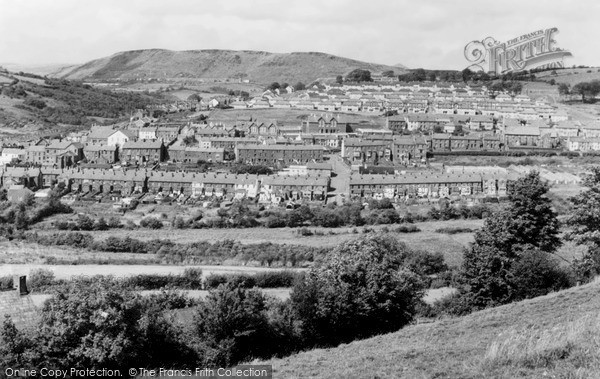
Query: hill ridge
{"points": [[254, 65]]}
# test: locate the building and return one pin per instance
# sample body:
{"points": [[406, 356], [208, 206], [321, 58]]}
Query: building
{"points": [[125, 182], [409, 149], [143, 151], [280, 155], [415, 185], [359, 151], [276, 189], [326, 123], [103, 154]]}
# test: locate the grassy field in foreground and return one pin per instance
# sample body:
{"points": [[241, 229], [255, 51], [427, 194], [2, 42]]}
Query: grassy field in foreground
{"points": [[553, 336]]}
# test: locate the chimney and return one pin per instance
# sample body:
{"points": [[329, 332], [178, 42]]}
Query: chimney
{"points": [[20, 284]]}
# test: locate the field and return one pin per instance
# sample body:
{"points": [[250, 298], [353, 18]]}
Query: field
{"points": [[292, 116], [570, 76], [553, 336], [120, 271]]}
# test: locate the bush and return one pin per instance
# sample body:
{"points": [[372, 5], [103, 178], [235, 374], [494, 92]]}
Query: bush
{"points": [[425, 263], [407, 229], [360, 289], [454, 230], [41, 280], [151, 223], [234, 325]]}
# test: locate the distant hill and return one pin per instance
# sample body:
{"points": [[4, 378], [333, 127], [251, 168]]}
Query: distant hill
{"points": [[257, 66], [42, 70], [553, 336]]}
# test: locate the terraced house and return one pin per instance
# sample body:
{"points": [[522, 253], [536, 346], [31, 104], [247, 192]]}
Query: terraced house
{"points": [[415, 185], [125, 182], [362, 151], [282, 155], [276, 189], [143, 151]]}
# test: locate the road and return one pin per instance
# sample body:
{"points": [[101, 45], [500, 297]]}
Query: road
{"points": [[340, 181]]}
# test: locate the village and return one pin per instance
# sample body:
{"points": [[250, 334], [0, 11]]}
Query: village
{"points": [[386, 154]]}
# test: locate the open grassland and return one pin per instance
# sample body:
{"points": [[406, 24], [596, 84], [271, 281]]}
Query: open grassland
{"points": [[121, 271], [553, 336], [12, 252]]}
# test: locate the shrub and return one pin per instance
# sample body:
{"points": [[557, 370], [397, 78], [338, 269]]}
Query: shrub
{"points": [[41, 280], [234, 325], [454, 230], [407, 229], [151, 223], [360, 289]]}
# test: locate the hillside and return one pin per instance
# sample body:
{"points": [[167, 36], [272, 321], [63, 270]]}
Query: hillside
{"points": [[570, 76], [256, 66], [30, 104], [554, 336]]}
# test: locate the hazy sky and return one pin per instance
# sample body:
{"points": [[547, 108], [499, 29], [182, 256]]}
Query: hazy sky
{"points": [[416, 33]]}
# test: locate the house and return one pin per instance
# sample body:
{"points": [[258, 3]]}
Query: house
{"points": [[229, 186], [63, 153], [105, 154], [278, 188], [318, 169], [167, 133], [521, 136], [143, 151], [147, 133], [409, 149], [36, 154], [10, 154], [326, 123], [282, 155], [18, 194], [125, 182], [99, 135], [119, 137], [360, 151], [28, 177]]}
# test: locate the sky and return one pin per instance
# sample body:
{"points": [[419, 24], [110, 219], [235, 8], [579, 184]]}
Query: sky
{"points": [[416, 33]]}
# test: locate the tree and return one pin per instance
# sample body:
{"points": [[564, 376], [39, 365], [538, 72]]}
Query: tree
{"points": [[563, 89], [360, 289], [234, 325], [528, 223], [584, 224], [299, 86], [339, 79], [589, 89], [359, 75], [388, 74], [15, 346], [274, 86]]}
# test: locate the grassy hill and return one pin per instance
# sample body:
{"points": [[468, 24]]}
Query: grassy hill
{"points": [[553, 336], [29, 103], [257, 66], [570, 76]]}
